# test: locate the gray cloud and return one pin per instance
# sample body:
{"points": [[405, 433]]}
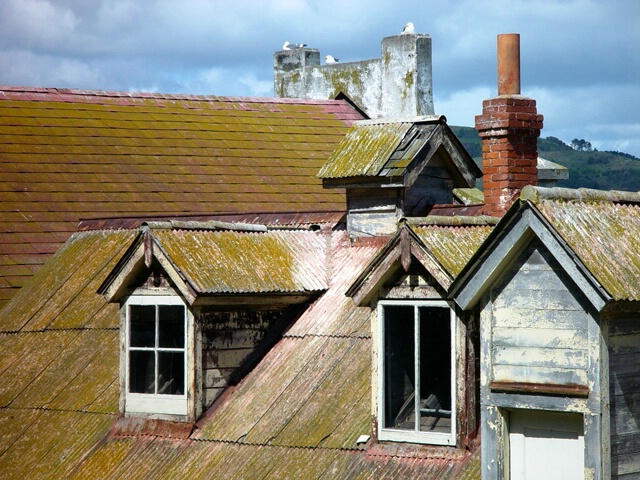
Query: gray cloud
{"points": [[580, 58]]}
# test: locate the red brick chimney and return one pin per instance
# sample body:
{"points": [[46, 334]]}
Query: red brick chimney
{"points": [[509, 128]]}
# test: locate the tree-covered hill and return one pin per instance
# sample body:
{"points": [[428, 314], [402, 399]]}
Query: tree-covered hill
{"points": [[587, 167]]}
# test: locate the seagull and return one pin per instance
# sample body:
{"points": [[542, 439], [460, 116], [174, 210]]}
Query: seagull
{"points": [[408, 29], [293, 46], [329, 60]]}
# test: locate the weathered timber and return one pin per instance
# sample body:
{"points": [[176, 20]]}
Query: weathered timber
{"points": [[540, 389], [624, 388]]}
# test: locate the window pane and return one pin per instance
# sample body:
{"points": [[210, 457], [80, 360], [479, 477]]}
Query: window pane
{"points": [[141, 371], [171, 373], [171, 328], [399, 367], [143, 325], [435, 369]]}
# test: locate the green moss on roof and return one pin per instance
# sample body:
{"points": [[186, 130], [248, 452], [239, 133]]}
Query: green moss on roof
{"points": [[364, 150], [452, 246], [605, 236], [153, 155], [244, 262]]}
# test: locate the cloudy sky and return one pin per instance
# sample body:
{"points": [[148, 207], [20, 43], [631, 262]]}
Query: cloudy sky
{"points": [[580, 58]]}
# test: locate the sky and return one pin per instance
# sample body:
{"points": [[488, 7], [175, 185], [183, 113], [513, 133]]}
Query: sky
{"points": [[580, 59]]}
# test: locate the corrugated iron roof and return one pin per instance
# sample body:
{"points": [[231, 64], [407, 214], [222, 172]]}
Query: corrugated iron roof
{"points": [[68, 155], [605, 236], [296, 415], [453, 246], [202, 459], [247, 262]]}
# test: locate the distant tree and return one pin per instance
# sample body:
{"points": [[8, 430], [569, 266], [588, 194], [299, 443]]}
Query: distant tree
{"points": [[581, 145]]}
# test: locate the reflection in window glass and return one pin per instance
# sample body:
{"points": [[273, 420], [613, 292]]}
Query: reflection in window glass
{"points": [[435, 369], [143, 325], [171, 328], [157, 349]]}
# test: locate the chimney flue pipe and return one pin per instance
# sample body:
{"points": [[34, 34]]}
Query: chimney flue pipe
{"points": [[509, 64]]}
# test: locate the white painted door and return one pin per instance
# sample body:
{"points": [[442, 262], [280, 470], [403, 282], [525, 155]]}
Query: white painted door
{"points": [[546, 445]]}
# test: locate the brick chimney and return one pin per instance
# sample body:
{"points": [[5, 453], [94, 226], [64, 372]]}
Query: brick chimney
{"points": [[509, 128]]}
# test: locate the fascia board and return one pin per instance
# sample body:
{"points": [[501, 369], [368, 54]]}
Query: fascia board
{"points": [[388, 262], [114, 287]]}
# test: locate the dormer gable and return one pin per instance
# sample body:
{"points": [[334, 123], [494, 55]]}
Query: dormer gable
{"points": [[201, 303], [426, 252], [556, 288], [215, 262], [425, 349], [394, 168]]}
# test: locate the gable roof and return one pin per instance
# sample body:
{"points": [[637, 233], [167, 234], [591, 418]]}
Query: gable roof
{"points": [[593, 234], [442, 245], [203, 259], [393, 148], [71, 155], [298, 414]]}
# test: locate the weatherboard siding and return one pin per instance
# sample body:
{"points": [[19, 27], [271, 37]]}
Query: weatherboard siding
{"points": [[539, 332], [541, 349], [228, 338], [624, 378], [539, 329]]}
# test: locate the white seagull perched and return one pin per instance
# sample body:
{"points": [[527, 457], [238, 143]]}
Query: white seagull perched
{"points": [[329, 60], [293, 46], [408, 29]]}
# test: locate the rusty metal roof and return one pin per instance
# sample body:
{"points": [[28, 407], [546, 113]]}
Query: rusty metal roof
{"points": [[602, 229], [247, 262], [158, 458], [68, 155], [296, 415]]}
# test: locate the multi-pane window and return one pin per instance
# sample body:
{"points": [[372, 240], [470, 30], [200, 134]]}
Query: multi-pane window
{"points": [[156, 355], [416, 396]]}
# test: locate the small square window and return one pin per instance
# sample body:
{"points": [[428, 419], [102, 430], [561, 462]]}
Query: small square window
{"points": [[156, 355], [416, 397]]}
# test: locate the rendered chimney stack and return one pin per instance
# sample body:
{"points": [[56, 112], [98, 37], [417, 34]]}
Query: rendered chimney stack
{"points": [[509, 128]]}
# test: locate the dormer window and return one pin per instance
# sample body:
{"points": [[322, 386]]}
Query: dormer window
{"points": [[156, 339], [416, 394]]}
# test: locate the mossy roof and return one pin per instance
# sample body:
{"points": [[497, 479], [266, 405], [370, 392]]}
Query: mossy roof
{"points": [[392, 148], [231, 261], [67, 155], [296, 415], [602, 229], [453, 246]]}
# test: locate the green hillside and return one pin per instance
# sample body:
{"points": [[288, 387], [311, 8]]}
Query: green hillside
{"points": [[587, 168]]}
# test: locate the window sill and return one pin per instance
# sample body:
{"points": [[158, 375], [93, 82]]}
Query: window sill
{"points": [[145, 403], [424, 438]]}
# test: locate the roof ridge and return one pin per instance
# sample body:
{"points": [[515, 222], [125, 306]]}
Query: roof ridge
{"points": [[355, 336], [32, 93], [536, 195]]}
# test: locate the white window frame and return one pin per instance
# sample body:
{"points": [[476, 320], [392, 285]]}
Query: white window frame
{"points": [[415, 436], [148, 402]]}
